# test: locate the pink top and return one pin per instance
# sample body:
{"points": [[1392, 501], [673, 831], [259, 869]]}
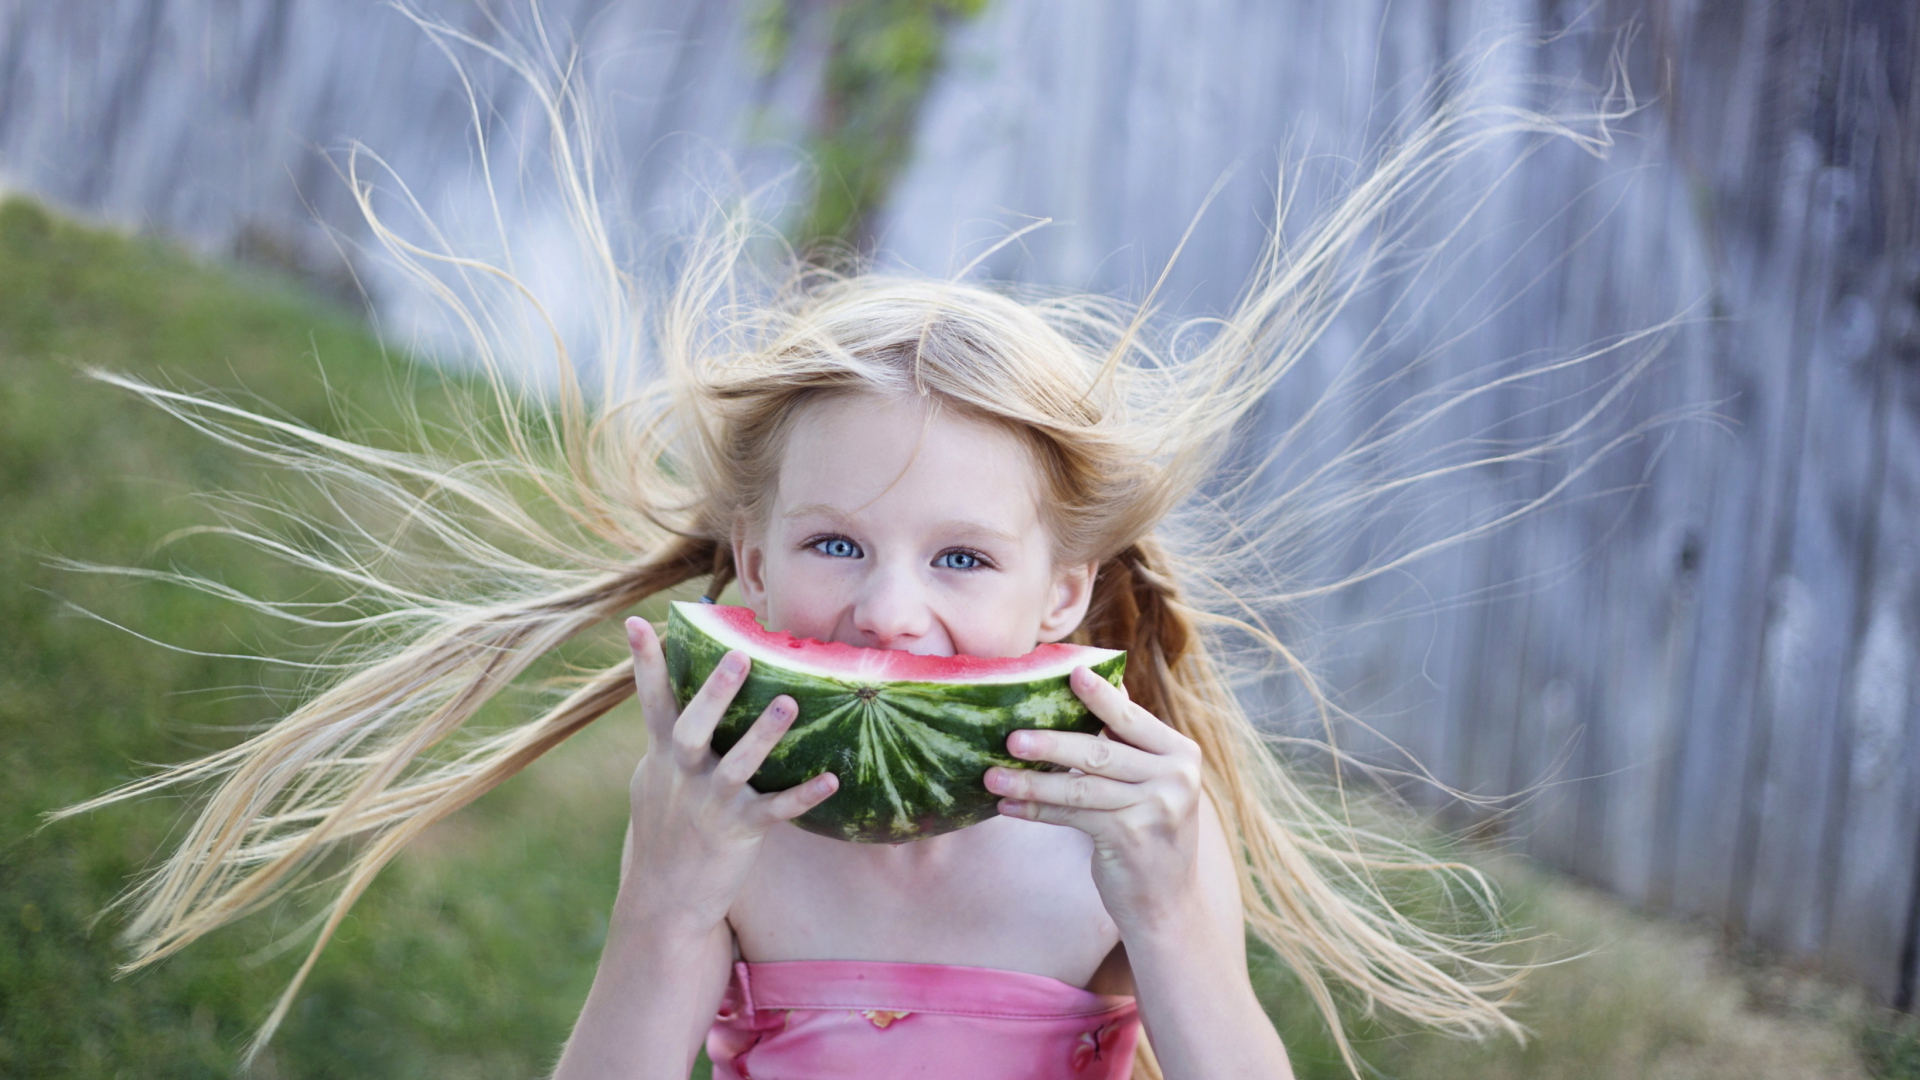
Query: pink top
{"points": [[862, 1020]]}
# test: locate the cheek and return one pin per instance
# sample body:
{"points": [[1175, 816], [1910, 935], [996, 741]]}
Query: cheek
{"points": [[1000, 620], [803, 598]]}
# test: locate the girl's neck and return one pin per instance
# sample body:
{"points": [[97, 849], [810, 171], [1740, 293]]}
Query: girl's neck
{"points": [[910, 860]]}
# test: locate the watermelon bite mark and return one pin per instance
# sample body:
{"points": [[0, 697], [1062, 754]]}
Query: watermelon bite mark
{"points": [[909, 736]]}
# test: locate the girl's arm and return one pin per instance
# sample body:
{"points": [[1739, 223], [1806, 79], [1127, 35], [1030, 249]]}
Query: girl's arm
{"points": [[653, 997], [696, 829], [1190, 975], [1165, 871]]}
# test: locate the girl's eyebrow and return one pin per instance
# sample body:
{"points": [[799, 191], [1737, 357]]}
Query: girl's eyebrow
{"points": [[816, 510], [975, 531], [962, 529]]}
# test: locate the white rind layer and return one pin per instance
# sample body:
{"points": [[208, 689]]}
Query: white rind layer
{"points": [[880, 665]]}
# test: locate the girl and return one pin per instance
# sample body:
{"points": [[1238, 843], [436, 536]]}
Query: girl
{"points": [[893, 463], [890, 490]]}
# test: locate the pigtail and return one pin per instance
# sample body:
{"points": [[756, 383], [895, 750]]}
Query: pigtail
{"points": [[1135, 607], [720, 573]]}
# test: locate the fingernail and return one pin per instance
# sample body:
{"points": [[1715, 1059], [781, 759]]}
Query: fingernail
{"points": [[733, 664], [782, 708], [1012, 808], [1019, 742], [994, 779]]}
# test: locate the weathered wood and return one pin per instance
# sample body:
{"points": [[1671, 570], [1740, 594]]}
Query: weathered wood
{"points": [[1866, 856], [1704, 655], [224, 124]]}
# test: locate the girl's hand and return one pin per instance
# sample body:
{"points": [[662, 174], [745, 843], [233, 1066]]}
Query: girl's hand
{"points": [[696, 824], [1136, 792], [696, 829]]}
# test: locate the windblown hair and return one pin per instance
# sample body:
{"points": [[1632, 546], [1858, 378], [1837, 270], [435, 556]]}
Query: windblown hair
{"points": [[573, 505]]}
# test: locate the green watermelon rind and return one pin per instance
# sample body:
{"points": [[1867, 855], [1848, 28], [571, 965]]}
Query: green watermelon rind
{"points": [[870, 734]]}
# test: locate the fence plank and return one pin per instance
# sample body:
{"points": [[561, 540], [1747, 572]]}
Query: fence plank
{"points": [[1872, 882]]}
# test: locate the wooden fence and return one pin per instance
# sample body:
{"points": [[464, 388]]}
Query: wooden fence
{"points": [[1708, 644]]}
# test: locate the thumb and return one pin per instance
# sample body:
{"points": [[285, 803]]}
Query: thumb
{"points": [[657, 705], [800, 798]]}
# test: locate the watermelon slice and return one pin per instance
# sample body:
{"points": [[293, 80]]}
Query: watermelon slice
{"points": [[910, 737]]}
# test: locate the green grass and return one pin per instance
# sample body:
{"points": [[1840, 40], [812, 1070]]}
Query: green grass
{"points": [[467, 959], [470, 957], [1890, 1047], [1641, 998]]}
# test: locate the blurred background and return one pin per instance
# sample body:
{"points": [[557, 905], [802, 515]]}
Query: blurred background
{"points": [[1684, 692]]}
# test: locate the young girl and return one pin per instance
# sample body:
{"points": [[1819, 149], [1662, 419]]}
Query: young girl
{"points": [[892, 463], [896, 518], [926, 474]]}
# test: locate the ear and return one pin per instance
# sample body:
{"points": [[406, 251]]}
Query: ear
{"points": [[1072, 592], [750, 568]]}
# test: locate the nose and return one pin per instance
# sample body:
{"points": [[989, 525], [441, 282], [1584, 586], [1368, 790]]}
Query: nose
{"points": [[892, 611]]}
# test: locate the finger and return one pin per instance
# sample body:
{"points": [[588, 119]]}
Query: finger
{"points": [[1077, 791], [1088, 753], [1125, 721], [657, 707], [744, 759], [791, 803], [693, 731], [1084, 820]]}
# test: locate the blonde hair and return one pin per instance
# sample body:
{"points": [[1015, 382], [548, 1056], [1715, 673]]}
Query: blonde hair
{"points": [[569, 508]]}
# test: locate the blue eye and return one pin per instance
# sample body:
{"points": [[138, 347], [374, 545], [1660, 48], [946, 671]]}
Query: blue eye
{"points": [[959, 560], [837, 547]]}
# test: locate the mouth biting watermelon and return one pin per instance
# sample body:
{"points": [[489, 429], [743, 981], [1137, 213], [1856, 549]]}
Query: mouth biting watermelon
{"points": [[909, 736]]}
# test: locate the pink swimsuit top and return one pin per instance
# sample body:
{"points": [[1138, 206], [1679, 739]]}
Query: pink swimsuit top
{"points": [[861, 1020]]}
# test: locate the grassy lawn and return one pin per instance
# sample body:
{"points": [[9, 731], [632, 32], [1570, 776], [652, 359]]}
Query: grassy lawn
{"points": [[1650, 1000], [471, 956], [469, 960]]}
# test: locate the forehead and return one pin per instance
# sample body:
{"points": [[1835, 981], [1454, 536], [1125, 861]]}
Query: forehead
{"points": [[907, 461]]}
